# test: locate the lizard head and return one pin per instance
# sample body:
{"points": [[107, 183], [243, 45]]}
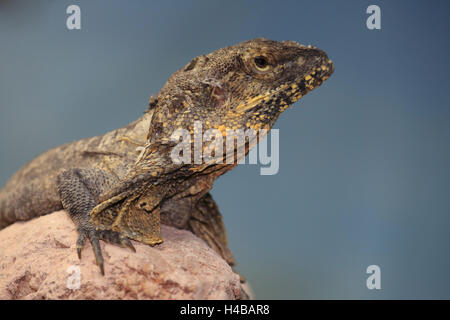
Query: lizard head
{"points": [[247, 85], [244, 86]]}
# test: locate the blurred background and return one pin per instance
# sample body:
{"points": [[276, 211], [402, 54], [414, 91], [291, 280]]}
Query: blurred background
{"points": [[364, 160]]}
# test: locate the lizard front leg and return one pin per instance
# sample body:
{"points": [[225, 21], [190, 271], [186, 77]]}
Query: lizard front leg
{"points": [[206, 222], [78, 190], [202, 217]]}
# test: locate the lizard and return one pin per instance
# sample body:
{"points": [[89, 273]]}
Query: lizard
{"points": [[124, 184]]}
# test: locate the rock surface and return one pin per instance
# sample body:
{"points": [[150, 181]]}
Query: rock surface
{"points": [[38, 260]]}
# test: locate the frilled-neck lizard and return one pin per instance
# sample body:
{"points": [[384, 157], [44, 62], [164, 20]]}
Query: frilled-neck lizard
{"points": [[123, 184]]}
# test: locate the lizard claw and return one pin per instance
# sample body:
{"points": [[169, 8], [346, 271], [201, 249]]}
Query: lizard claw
{"points": [[127, 243], [80, 242], [116, 238], [93, 237], [106, 235]]}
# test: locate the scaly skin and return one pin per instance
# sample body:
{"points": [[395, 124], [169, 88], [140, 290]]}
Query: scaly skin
{"points": [[123, 184]]}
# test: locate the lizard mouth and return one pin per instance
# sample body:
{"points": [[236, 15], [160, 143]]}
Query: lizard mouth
{"points": [[318, 75], [287, 94]]}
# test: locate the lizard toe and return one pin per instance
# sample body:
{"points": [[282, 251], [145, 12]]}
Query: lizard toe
{"points": [[93, 236], [116, 238]]}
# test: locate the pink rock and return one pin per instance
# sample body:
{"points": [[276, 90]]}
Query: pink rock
{"points": [[38, 260]]}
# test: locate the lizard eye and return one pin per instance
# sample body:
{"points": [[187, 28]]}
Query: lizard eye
{"points": [[261, 63]]}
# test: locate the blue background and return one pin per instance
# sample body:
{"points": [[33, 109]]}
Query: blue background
{"points": [[364, 160]]}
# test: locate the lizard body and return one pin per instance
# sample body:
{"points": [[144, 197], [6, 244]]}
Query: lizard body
{"points": [[123, 184]]}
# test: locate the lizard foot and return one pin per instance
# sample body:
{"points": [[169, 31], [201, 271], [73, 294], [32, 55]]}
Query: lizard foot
{"points": [[95, 236]]}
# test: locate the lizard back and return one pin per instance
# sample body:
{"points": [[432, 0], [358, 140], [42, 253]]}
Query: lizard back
{"points": [[32, 192]]}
